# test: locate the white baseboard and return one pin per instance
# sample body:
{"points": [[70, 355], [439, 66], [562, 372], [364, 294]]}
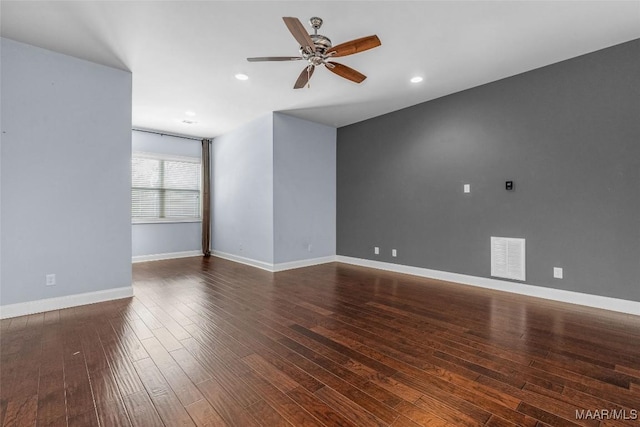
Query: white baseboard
{"points": [[607, 303], [273, 268], [169, 255], [242, 260], [58, 303], [303, 263]]}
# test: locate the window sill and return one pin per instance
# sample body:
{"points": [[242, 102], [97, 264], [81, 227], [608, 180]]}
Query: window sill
{"points": [[164, 220]]}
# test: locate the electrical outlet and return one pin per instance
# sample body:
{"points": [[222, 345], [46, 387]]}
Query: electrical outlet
{"points": [[394, 253], [376, 250], [309, 247], [467, 188], [50, 280], [558, 273]]}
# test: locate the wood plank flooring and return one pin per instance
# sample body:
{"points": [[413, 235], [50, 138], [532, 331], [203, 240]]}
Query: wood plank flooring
{"points": [[209, 342]]}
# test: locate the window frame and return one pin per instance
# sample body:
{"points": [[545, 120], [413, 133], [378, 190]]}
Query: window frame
{"points": [[166, 157]]}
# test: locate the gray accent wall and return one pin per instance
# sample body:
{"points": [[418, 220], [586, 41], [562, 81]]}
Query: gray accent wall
{"points": [[568, 135], [304, 189], [165, 237], [242, 191], [65, 175]]}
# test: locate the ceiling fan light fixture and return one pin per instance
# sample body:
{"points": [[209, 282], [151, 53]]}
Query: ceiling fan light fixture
{"points": [[416, 79], [242, 77]]}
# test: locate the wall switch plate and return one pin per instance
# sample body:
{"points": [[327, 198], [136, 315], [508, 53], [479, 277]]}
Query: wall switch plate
{"points": [[557, 272], [309, 247], [394, 252], [467, 188], [50, 280], [376, 250]]}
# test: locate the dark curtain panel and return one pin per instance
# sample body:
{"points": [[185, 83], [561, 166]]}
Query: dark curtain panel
{"points": [[206, 197]]}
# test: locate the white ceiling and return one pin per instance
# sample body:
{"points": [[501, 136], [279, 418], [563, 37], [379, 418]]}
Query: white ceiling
{"points": [[184, 54]]}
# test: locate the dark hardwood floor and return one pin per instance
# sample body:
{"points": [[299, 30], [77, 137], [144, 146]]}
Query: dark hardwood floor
{"points": [[214, 343]]}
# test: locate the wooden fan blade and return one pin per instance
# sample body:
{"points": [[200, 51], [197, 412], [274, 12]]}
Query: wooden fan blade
{"points": [[274, 58], [299, 33], [346, 72], [354, 46], [304, 77]]}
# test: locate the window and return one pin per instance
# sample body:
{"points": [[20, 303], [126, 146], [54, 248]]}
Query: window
{"points": [[165, 188]]}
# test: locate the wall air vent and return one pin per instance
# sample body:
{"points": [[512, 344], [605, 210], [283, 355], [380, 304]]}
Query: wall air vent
{"points": [[508, 258]]}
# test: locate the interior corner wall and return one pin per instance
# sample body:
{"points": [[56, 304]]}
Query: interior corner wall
{"points": [[304, 189], [165, 237], [66, 175], [242, 191], [566, 134]]}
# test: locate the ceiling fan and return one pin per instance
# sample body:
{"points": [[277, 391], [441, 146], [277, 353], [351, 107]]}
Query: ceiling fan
{"points": [[317, 50]]}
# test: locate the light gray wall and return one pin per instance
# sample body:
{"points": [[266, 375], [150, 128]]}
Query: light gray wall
{"points": [[242, 191], [163, 238], [66, 174], [567, 134], [304, 189], [274, 190], [165, 144]]}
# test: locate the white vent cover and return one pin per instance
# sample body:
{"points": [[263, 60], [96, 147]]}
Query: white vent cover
{"points": [[508, 258]]}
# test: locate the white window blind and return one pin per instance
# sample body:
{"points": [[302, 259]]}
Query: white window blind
{"points": [[165, 188]]}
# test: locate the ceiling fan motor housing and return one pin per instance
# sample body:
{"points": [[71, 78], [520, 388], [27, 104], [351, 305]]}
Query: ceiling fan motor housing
{"points": [[321, 42]]}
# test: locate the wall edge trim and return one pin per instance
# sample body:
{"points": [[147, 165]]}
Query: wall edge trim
{"points": [[58, 303], [571, 297]]}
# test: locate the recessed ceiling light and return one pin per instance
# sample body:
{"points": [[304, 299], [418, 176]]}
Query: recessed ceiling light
{"points": [[189, 113], [416, 79], [241, 76]]}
